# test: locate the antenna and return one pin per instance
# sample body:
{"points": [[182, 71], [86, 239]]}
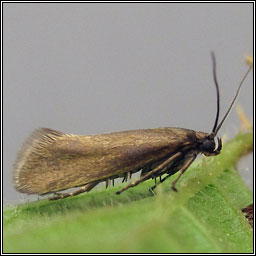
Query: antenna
{"points": [[232, 103], [218, 93]]}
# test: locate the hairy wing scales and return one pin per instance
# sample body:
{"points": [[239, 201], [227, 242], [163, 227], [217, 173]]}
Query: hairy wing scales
{"points": [[52, 161]]}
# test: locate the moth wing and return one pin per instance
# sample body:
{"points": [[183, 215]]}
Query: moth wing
{"points": [[52, 161]]}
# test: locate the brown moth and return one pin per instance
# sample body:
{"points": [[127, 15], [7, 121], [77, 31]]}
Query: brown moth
{"points": [[52, 161]]}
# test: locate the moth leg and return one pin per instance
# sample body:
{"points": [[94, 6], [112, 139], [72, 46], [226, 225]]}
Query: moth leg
{"points": [[85, 188], [126, 176], [182, 170], [149, 174], [107, 182], [152, 191], [161, 180]]}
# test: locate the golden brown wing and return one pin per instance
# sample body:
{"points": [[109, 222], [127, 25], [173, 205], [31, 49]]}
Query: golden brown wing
{"points": [[51, 161]]}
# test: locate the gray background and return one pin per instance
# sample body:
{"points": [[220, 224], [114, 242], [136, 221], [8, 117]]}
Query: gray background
{"points": [[95, 68]]}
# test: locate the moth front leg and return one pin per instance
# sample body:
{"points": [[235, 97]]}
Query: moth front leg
{"points": [[182, 170]]}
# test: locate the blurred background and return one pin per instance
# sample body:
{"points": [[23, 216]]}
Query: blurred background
{"points": [[89, 68]]}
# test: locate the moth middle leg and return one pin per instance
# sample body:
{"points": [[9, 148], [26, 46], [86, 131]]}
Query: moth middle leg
{"points": [[184, 165], [182, 170], [152, 172], [157, 183]]}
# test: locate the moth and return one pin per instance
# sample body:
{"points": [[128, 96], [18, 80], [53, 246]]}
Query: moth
{"points": [[51, 161]]}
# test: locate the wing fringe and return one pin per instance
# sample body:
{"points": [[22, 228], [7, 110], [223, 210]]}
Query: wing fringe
{"points": [[37, 139]]}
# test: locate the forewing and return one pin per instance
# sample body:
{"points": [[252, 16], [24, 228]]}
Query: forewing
{"points": [[52, 161]]}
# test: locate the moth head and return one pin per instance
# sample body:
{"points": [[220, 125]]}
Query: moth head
{"points": [[209, 147]]}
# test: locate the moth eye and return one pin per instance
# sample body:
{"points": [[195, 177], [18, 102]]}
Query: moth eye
{"points": [[208, 145]]}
